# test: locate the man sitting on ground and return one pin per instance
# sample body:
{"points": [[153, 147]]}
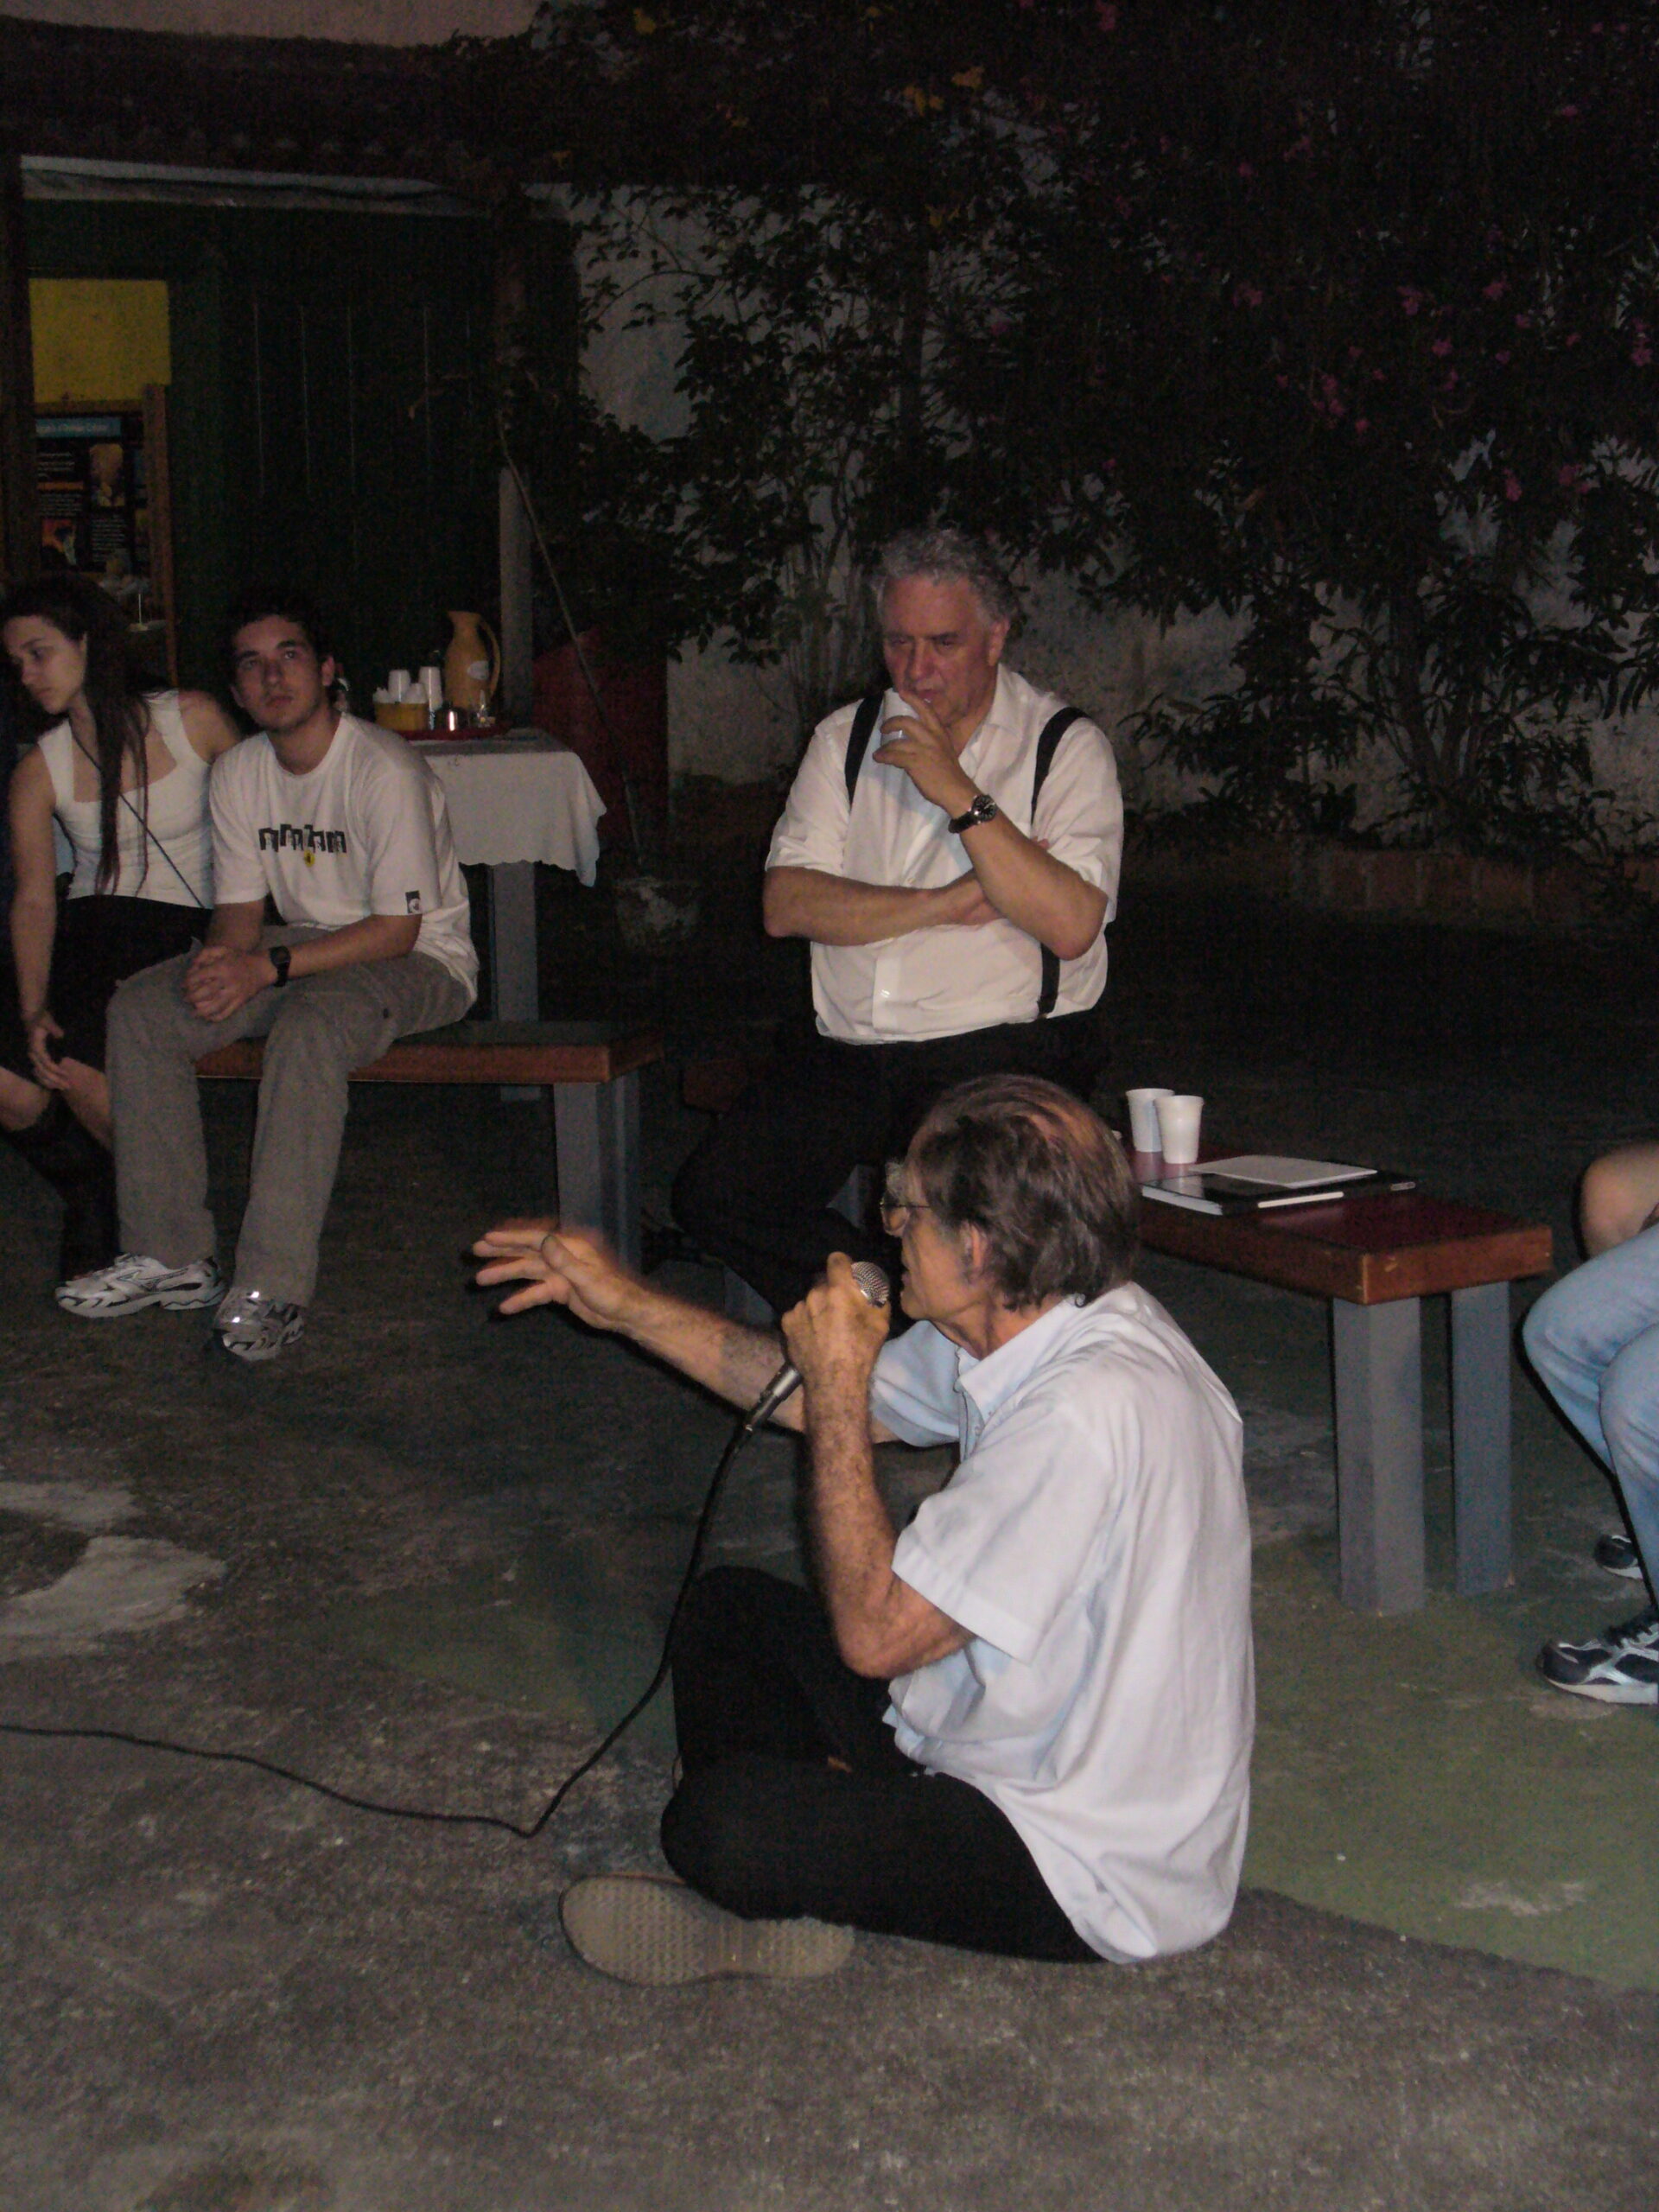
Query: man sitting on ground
{"points": [[1593, 1339], [1023, 1726], [346, 829], [950, 850]]}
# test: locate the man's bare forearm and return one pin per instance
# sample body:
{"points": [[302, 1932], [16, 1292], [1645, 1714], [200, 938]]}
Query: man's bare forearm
{"points": [[1030, 889], [838, 910], [735, 1362], [237, 928], [882, 1627], [376, 937]]}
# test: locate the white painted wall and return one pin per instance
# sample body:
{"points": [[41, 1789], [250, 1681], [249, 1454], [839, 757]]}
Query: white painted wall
{"points": [[369, 22]]}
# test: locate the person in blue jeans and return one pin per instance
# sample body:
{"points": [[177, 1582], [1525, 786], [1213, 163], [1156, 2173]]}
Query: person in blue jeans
{"points": [[1593, 1341]]}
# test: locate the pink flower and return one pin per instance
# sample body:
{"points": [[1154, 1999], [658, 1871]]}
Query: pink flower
{"points": [[1502, 360], [1569, 109], [1495, 289], [1449, 381], [1566, 477], [1410, 299], [1512, 485], [1244, 170], [1642, 353], [1571, 339], [1442, 347], [1106, 15], [1360, 425], [1247, 295], [1523, 323]]}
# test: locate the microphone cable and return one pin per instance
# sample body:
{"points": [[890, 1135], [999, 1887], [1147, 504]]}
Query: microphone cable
{"points": [[521, 1831]]}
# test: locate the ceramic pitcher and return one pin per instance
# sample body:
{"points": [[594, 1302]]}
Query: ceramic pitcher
{"points": [[472, 667]]}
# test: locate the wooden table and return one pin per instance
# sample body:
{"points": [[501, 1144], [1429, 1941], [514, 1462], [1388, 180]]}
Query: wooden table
{"points": [[1375, 1260]]}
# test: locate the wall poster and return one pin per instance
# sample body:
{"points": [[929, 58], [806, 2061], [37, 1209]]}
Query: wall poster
{"points": [[102, 478]]}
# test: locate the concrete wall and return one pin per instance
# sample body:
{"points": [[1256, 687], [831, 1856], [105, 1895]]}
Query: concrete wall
{"points": [[370, 22]]}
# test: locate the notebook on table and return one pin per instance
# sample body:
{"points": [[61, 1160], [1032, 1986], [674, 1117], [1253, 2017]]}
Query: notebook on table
{"points": [[1260, 1182]]}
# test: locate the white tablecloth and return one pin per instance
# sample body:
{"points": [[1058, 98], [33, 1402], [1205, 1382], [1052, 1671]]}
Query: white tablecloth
{"points": [[515, 799]]}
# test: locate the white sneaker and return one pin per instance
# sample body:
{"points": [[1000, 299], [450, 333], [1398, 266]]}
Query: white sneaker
{"points": [[250, 1327], [133, 1282]]}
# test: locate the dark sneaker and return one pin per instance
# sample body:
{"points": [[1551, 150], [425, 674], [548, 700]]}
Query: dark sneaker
{"points": [[250, 1327], [1617, 1555], [132, 1283], [1620, 1667], [643, 1929]]}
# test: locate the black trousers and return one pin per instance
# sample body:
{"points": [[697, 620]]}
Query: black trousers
{"points": [[99, 942], [756, 1193], [764, 1825]]}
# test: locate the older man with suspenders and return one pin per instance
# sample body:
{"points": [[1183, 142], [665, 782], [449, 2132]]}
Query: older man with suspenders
{"points": [[950, 850]]}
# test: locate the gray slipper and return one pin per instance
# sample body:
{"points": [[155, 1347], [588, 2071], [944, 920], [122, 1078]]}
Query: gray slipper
{"points": [[639, 1929]]}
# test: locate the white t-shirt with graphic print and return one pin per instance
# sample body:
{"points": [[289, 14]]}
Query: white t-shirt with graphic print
{"points": [[366, 832]]}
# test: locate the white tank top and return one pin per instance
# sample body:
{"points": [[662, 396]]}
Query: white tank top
{"points": [[177, 815]]}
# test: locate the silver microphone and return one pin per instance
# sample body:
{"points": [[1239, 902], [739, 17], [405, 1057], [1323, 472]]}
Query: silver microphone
{"points": [[872, 1281]]}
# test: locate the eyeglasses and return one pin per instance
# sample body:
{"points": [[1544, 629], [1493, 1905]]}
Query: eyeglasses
{"points": [[896, 1211]]}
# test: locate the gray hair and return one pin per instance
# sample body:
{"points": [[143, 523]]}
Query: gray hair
{"points": [[946, 556], [1041, 1176]]}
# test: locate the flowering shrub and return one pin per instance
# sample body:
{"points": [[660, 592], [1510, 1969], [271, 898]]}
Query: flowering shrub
{"points": [[1337, 314]]}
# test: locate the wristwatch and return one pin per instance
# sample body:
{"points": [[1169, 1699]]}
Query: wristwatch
{"points": [[279, 955], [984, 809]]}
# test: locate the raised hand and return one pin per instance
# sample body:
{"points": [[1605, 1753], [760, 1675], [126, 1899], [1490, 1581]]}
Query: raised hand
{"points": [[924, 748], [558, 1266]]}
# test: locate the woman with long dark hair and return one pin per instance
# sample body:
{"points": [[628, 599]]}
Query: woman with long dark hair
{"points": [[123, 773]]}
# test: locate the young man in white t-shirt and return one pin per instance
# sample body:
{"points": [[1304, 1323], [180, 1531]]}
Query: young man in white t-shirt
{"points": [[344, 828], [1023, 1725]]}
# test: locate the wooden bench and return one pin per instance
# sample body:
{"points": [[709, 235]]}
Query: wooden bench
{"points": [[1375, 1260], [592, 1068]]}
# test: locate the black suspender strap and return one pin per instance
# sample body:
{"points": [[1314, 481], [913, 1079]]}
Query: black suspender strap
{"points": [[1047, 745], [858, 737]]}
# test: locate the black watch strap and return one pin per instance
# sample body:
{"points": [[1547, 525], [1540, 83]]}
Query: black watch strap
{"points": [[984, 809], [279, 955]]}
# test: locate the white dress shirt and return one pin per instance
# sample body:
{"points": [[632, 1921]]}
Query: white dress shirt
{"points": [[943, 982], [1094, 1541]]}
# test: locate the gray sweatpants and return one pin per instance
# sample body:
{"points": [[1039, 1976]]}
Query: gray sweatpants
{"points": [[318, 1028]]}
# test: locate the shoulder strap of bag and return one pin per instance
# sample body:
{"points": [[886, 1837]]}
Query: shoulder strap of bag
{"points": [[195, 897]]}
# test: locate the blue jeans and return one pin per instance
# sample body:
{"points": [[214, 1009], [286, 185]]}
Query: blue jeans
{"points": [[1593, 1339]]}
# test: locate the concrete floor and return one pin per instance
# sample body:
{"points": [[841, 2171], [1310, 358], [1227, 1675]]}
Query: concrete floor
{"points": [[425, 1557]]}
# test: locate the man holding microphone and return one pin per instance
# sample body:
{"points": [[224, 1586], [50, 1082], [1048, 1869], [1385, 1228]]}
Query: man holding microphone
{"points": [[1021, 1726]]}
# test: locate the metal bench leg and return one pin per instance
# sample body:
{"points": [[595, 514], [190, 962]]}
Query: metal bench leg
{"points": [[512, 953], [1480, 1436], [596, 1137], [1379, 1396]]}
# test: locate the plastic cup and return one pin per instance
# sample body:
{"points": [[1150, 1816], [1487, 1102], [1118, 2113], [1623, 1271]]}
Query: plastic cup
{"points": [[1144, 1133], [1178, 1114]]}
